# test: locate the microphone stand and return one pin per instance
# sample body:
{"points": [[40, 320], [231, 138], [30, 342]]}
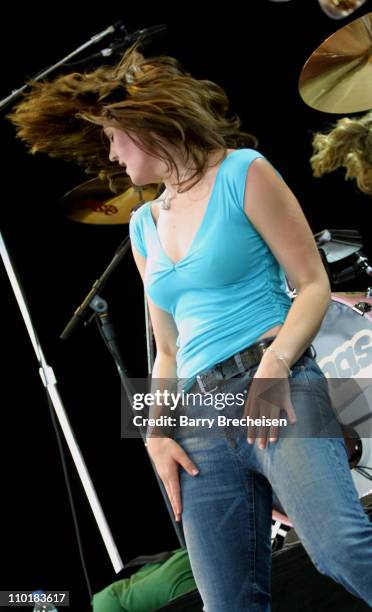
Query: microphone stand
{"points": [[93, 301], [50, 383], [118, 44], [46, 372], [126, 41], [99, 306], [92, 41]]}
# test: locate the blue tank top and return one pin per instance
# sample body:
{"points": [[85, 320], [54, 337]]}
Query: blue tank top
{"points": [[228, 289]]}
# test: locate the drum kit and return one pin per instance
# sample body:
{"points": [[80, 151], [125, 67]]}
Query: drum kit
{"points": [[93, 202], [333, 80]]}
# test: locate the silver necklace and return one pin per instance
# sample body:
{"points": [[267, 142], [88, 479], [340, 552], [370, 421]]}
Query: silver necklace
{"points": [[165, 202]]}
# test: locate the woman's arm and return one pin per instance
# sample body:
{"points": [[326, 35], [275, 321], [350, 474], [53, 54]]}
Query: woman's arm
{"points": [[164, 328], [164, 372], [276, 214], [166, 454]]}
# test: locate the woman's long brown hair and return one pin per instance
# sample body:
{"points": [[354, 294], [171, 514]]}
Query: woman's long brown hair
{"points": [[153, 99]]}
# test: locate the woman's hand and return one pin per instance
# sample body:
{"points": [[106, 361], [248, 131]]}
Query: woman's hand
{"points": [[167, 455], [269, 394]]}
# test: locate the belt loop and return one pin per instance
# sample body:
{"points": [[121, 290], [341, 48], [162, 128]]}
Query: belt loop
{"points": [[239, 363]]}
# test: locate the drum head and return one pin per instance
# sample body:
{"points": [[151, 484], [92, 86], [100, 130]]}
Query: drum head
{"points": [[343, 348], [344, 352]]}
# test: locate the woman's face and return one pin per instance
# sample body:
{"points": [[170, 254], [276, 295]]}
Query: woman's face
{"points": [[141, 167]]}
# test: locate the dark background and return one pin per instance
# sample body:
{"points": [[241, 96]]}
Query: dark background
{"points": [[256, 53]]}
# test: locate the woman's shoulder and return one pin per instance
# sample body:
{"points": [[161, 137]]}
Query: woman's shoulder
{"points": [[138, 227], [138, 215], [242, 155], [236, 172], [238, 161]]}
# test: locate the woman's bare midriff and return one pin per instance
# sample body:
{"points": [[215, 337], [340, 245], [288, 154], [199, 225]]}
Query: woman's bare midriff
{"points": [[272, 332]]}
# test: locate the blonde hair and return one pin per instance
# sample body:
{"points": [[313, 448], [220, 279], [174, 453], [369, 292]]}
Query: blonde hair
{"points": [[153, 98], [348, 145]]}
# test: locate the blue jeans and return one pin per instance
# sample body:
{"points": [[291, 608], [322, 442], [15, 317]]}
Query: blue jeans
{"points": [[227, 508]]}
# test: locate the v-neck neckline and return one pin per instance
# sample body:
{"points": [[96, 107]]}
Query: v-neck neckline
{"points": [[188, 253]]}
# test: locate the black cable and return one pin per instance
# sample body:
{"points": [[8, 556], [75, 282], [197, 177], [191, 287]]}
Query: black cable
{"points": [[114, 49], [362, 469], [70, 496]]}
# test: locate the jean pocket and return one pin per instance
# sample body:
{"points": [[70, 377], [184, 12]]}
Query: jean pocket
{"points": [[307, 371], [314, 375]]}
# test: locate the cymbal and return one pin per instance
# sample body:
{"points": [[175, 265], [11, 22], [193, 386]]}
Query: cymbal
{"points": [[92, 202], [337, 78]]}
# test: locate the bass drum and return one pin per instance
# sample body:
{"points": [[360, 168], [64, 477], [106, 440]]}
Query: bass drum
{"points": [[343, 348]]}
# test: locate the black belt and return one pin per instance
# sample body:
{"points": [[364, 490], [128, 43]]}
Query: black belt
{"points": [[237, 364]]}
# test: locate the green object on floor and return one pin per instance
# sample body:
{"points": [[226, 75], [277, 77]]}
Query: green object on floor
{"points": [[151, 587]]}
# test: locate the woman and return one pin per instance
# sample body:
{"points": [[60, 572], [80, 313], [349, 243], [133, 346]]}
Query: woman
{"points": [[213, 251]]}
